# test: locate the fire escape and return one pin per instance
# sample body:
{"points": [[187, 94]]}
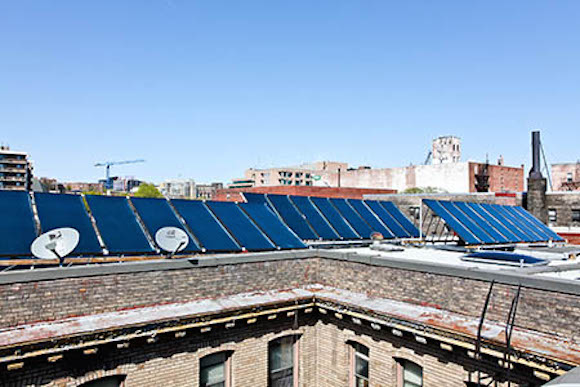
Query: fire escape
{"points": [[482, 178]]}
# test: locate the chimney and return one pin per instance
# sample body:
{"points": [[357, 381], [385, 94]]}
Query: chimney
{"points": [[536, 195], [535, 172]]}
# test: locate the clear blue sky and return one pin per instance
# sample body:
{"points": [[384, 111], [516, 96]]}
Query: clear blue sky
{"points": [[205, 89]]}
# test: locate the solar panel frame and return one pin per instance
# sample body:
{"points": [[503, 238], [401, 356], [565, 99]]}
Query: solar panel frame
{"points": [[17, 226], [66, 210], [481, 222], [271, 225], [371, 218], [462, 232], [293, 218], [205, 226], [400, 217], [388, 220], [118, 225], [353, 218], [468, 222], [338, 223], [314, 217], [157, 213], [240, 226]]}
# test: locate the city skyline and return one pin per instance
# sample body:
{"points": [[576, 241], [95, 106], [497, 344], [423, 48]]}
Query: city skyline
{"points": [[205, 91]]}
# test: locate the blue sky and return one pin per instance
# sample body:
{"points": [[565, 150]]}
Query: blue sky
{"points": [[205, 89]]}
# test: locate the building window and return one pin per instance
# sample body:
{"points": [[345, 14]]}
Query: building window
{"points": [[552, 215], [107, 381], [214, 370], [359, 365], [575, 215], [409, 374], [569, 177], [282, 360]]}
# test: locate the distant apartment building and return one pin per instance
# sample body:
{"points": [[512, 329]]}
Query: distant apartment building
{"points": [[566, 176], [84, 187], [301, 175], [188, 189], [442, 170], [15, 170]]}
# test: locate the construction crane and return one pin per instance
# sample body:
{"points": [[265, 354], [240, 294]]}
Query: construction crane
{"points": [[107, 165]]}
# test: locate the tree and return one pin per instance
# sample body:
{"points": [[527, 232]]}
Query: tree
{"points": [[419, 190], [147, 190]]}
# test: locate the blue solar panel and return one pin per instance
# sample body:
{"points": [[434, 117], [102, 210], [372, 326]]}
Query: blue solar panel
{"points": [[255, 197], [481, 222], [59, 210], [117, 224], [335, 219], [520, 235], [240, 226], [539, 224], [463, 232], [292, 217], [531, 227], [467, 222], [315, 219], [402, 219], [387, 219], [505, 258], [156, 214], [272, 226], [530, 235], [353, 218], [205, 226], [17, 230], [372, 220], [497, 225]]}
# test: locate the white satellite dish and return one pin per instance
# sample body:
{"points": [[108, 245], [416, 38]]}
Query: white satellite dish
{"points": [[171, 239], [57, 243]]}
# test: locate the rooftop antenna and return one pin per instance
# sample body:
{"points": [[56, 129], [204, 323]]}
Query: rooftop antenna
{"points": [[57, 243], [108, 164], [171, 239]]}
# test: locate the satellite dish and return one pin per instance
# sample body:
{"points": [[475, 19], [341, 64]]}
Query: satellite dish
{"points": [[57, 243], [171, 239]]}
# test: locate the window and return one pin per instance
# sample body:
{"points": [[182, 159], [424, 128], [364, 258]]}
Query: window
{"points": [[282, 356], [409, 374], [575, 215], [569, 177], [552, 215], [214, 370], [359, 361]]}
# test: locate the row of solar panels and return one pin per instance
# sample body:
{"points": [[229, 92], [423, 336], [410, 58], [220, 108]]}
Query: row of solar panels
{"points": [[476, 223], [314, 218], [128, 226]]}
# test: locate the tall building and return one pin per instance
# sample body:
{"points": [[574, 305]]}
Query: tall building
{"points": [[15, 170], [446, 149]]}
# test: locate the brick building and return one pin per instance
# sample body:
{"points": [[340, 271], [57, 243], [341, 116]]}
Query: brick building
{"points": [[304, 318], [566, 176]]}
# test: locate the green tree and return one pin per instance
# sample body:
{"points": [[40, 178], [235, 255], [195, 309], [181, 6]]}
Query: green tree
{"points": [[147, 190], [419, 190]]}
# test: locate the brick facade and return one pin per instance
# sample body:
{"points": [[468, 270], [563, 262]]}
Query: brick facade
{"points": [[168, 360]]}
